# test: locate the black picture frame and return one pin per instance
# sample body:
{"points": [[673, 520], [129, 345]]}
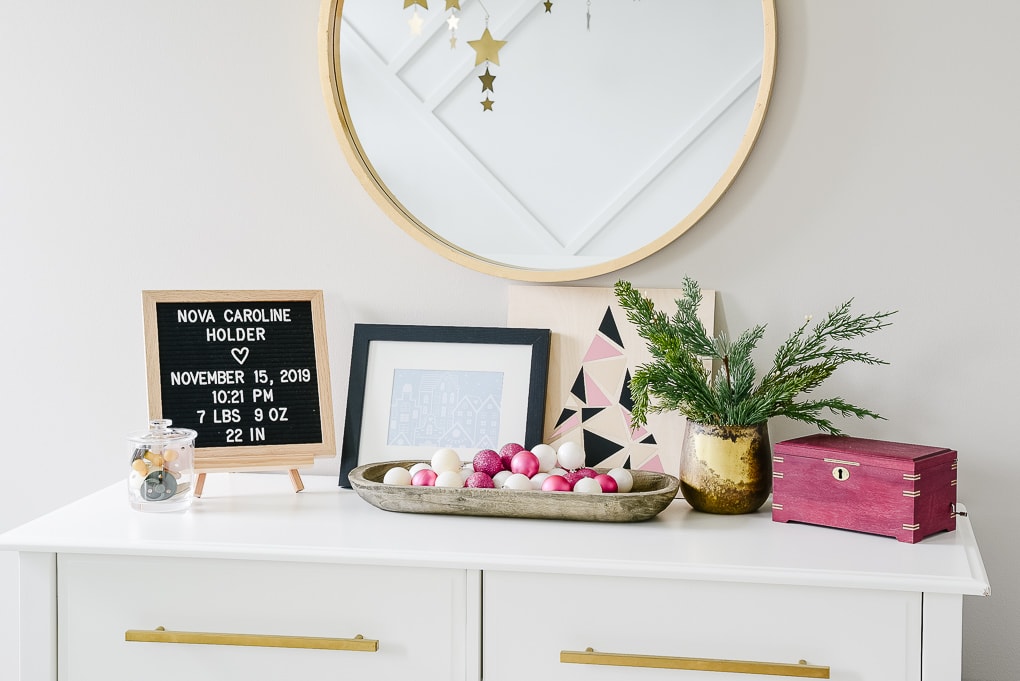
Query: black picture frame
{"points": [[448, 339]]}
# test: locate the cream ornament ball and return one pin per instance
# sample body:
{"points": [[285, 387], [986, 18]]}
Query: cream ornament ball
{"points": [[397, 476], [587, 486], [546, 457], [450, 479], [446, 459], [624, 479], [570, 456]]}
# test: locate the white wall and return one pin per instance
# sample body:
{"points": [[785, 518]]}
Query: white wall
{"points": [[186, 145]]}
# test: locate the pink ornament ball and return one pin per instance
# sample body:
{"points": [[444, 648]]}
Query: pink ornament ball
{"points": [[524, 462], [424, 478], [587, 472], [607, 482], [488, 461], [507, 452], [572, 477], [556, 483], [479, 480]]}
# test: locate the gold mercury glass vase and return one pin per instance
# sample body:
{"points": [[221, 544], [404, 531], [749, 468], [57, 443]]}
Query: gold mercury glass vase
{"points": [[726, 469]]}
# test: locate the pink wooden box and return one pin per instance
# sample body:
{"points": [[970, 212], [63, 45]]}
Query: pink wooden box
{"points": [[888, 488]]}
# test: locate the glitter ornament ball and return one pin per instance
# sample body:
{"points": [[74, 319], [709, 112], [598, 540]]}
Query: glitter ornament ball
{"points": [[479, 480], [507, 452], [488, 461]]}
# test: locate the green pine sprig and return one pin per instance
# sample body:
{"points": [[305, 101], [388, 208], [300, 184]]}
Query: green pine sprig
{"points": [[712, 379]]}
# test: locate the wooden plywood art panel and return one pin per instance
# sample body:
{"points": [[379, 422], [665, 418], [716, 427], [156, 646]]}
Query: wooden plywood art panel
{"points": [[593, 353]]}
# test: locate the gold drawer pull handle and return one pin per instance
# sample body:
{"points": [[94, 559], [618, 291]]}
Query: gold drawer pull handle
{"points": [[802, 669], [161, 635]]}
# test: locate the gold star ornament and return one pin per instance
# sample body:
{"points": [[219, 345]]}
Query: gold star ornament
{"points": [[548, 6], [452, 4], [486, 48], [422, 3], [487, 79], [487, 104]]}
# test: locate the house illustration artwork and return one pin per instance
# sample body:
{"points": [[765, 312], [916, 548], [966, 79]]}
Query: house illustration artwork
{"points": [[442, 408]]}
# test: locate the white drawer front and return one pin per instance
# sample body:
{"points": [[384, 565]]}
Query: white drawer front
{"points": [[417, 615], [528, 619]]}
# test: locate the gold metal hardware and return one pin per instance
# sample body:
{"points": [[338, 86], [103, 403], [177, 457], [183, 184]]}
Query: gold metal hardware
{"points": [[802, 669], [161, 635], [840, 461]]}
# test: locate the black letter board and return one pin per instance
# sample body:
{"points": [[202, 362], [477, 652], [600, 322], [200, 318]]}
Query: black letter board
{"points": [[247, 370]]}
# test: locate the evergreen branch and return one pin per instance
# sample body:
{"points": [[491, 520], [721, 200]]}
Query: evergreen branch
{"points": [[677, 379]]}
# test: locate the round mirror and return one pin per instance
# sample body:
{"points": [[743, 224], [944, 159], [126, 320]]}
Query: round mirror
{"points": [[547, 141]]}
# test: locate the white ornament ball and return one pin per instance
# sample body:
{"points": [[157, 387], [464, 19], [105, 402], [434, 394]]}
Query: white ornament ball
{"points": [[450, 479], [499, 478], [419, 467], [546, 457], [588, 486], [557, 471], [624, 479], [570, 456], [446, 459], [537, 479], [518, 481], [397, 476]]}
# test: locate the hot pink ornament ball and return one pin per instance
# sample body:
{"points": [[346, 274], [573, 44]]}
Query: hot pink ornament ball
{"points": [[506, 453], [488, 461], [424, 478], [607, 482], [555, 483], [587, 472], [524, 462], [479, 480]]}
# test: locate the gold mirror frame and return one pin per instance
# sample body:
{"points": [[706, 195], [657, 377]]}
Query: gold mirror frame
{"points": [[332, 82]]}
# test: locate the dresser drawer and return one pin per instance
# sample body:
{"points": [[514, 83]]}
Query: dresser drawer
{"points": [[416, 615], [530, 620]]}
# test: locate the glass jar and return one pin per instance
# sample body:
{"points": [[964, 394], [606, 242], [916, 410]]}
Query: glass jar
{"points": [[162, 468]]}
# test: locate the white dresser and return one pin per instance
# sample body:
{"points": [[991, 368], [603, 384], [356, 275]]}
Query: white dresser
{"points": [[321, 585]]}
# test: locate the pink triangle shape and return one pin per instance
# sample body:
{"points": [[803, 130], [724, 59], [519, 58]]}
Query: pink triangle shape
{"points": [[595, 396], [600, 349], [653, 464]]}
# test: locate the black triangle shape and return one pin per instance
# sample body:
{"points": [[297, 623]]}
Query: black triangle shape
{"points": [[564, 415], [609, 329], [626, 398], [588, 412], [597, 448], [578, 388], [626, 464], [650, 440]]}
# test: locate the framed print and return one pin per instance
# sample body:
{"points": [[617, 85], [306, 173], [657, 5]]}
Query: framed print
{"points": [[594, 351], [415, 389]]}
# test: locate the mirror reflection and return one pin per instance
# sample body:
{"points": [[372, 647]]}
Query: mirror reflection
{"points": [[605, 130]]}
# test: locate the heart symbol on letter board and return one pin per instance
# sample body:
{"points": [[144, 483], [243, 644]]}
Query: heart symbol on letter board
{"points": [[240, 354]]}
